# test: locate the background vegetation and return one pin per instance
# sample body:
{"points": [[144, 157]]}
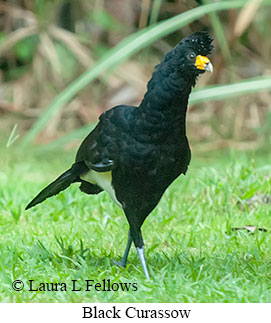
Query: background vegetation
{"points": [[62, 63], [77, 46]]}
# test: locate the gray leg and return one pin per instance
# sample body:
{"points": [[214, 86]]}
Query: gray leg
{"points": [[135, 235], [141, 255], [139, 244], [122, 263]]}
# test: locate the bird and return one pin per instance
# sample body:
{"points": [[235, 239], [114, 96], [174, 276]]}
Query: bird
{"points": [[135, 152]]}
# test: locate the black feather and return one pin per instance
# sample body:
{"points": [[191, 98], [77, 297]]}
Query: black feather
{"points": [[60, 184], [89, 188]]}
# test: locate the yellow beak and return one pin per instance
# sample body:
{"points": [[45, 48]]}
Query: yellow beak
{"points": [[203, 63]]}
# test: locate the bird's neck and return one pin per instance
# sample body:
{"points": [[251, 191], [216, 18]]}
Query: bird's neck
{"points": [[165, 102]]}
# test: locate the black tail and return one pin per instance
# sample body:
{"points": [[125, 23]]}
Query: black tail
{"points": [[60, 184]]}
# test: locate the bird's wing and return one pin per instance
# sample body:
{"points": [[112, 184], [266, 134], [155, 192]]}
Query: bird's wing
{"points": [[100, 149]]}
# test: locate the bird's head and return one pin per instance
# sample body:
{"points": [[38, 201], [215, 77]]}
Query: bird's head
{"points": [[190, 55]]}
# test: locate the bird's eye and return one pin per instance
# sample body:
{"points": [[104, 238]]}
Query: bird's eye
{"points": [[191, 56]]}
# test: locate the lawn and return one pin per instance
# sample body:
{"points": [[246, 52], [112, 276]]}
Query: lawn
{"points": [[192, 252]]}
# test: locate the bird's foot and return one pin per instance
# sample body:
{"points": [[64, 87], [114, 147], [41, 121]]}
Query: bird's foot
{"points": [[121, 263]]}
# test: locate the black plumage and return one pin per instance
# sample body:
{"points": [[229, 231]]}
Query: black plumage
{"points": [[135, 153]]}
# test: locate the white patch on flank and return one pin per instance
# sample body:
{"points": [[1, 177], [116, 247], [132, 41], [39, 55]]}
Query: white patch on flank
{"points": [[104, 180]]}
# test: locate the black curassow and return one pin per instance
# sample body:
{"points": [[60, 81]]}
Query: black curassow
{"points": [[134, 153]]}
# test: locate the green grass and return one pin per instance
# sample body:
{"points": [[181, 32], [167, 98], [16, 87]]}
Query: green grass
{"points": [[192, 253]]}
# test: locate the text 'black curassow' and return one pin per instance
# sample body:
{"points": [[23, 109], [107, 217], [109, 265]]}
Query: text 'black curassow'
{"points": [[135, 153]]}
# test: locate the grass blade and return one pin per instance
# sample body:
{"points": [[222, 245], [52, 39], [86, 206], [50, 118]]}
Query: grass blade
{"points": [[221, 92], [12, 137]]}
